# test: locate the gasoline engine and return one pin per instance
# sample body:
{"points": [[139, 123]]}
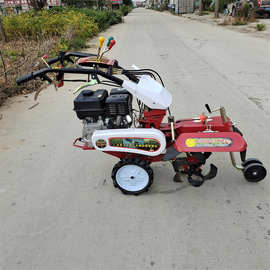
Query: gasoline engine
{"points": [[100, 110]]}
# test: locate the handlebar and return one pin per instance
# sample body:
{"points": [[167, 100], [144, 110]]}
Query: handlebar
{"points": [[66, 56], [63, 56], [42, 74], [31, 76]]}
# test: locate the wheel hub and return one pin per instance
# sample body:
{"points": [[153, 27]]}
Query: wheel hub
{"points": [[254, 172], [132, 177]]}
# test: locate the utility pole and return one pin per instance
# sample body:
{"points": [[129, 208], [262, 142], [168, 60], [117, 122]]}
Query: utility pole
{"points": [[216, 8]]}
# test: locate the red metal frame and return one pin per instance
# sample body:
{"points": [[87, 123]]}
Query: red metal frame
{"points": [[191, 125], [122, 155], [60, 83], [152, 118], [237, 143], [189, 128], [184, 129], [83, 147]]}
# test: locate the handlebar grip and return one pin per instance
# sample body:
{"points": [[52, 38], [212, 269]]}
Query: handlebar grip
{"points": [[25, 78], [32, 76]]}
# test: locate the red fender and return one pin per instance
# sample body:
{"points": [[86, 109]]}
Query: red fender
{"points": [[210, 142]]}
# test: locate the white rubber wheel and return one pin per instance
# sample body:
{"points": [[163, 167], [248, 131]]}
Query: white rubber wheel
{"points": [[132, 176]]}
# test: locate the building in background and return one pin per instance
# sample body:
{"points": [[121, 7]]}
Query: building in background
{"points": [[184, 6], [140, 3], [116, 3], [22, 5], [178, 6]]}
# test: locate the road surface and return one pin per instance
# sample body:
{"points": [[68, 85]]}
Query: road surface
{"points": [[58, 208]]}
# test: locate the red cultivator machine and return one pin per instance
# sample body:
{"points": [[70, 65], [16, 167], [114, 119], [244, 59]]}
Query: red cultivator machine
{"points": [[138, 135]]}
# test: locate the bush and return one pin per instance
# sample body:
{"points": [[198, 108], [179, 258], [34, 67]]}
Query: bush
{"points": [[244, 14], [124, 10], [73, 25], [103, 18], [33, 34], [44, 24], [244, 11], [260, 26]]}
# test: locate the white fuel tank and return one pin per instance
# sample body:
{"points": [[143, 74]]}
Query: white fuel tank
{"points": [[144, 141], [150, 92]]}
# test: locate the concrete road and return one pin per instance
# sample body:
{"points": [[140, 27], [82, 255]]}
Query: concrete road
{"points": [[58, 208]]}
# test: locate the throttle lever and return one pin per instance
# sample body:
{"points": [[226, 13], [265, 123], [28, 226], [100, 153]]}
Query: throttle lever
{"points": [[62, 57], [43, 78], [208, 108], [70, 60], [46, 78], [110, 70]]}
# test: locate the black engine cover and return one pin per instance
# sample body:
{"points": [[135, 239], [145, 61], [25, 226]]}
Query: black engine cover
{"points": [[90, 103], [120, 90]]}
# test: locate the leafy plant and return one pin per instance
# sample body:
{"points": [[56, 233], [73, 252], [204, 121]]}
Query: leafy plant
{"points": [[260, 26], [124, 10]]}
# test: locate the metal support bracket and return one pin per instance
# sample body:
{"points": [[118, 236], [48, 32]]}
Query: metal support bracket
{"points": [[235, 165]]}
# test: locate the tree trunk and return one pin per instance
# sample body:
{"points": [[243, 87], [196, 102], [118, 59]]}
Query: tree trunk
{"points": [[2, 30], [200, 8], [216, 8], [37, 4]]}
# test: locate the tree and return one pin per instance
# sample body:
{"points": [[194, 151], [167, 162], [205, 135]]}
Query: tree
{"points": [[84, 3], [200, 7], [216, 8], [127, 2], [37, 4], [2, 30]]}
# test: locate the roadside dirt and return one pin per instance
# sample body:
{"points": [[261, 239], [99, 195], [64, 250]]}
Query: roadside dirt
{"points": [[248, 29]]}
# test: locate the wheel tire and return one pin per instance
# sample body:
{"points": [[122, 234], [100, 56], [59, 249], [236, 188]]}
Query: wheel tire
{"points": [[251, 161], [125, 180], [254, 172]]}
